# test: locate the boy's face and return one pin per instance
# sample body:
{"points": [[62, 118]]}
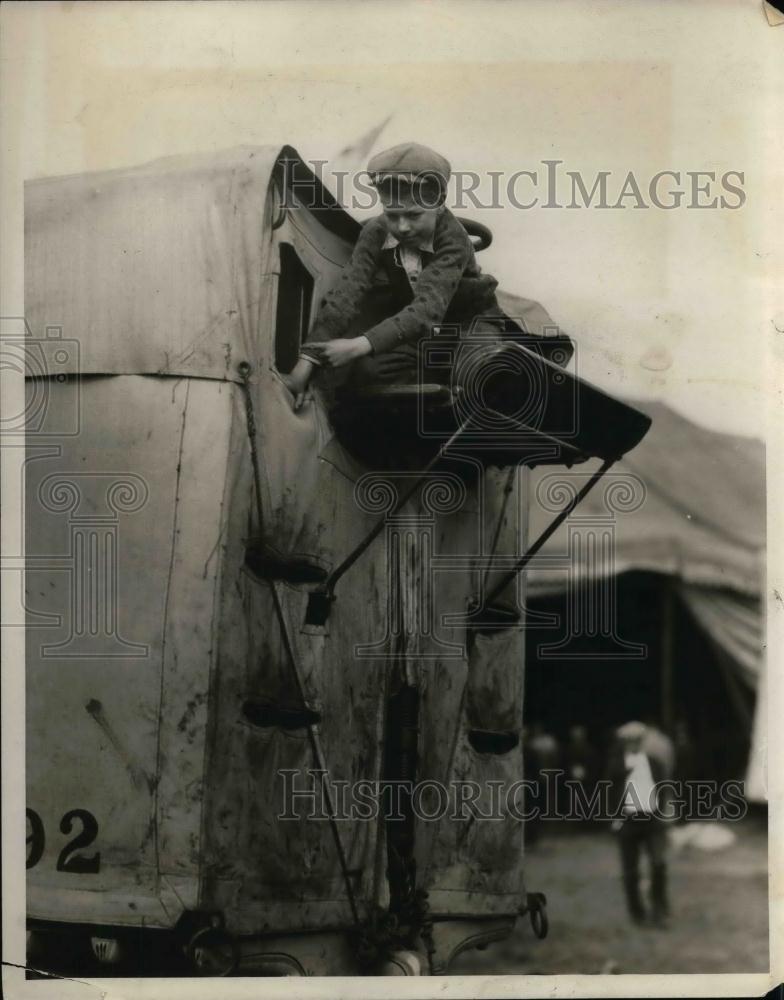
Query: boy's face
{"points": [[410, 223]]}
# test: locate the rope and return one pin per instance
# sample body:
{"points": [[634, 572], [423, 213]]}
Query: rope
{"points": [[313, 738], [508, 487], [383, 932], [424, 921]]}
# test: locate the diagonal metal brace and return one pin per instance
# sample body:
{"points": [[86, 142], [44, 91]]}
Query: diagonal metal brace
{"points": [[320, 600], [551, 528]]}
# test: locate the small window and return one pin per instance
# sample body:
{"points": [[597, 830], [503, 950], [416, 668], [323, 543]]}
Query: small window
{"points": [[295, 296]]}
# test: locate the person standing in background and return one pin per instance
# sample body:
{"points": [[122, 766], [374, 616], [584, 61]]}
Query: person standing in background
{"points": [[639, 825]]}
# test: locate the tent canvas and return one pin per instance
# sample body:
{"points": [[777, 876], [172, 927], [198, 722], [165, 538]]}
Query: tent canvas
{"points": [[701, 521]]}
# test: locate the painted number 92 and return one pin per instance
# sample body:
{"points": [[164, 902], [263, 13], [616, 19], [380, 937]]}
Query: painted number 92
{"points": [[78, 821]]}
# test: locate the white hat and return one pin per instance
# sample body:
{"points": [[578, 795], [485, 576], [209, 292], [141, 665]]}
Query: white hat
{"points": [[632, 731]]}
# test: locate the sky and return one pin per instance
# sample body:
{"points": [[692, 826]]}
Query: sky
{"points": [[679, 305]]}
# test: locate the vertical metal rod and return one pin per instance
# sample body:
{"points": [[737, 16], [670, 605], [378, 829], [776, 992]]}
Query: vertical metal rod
{"points": [[667, 656]]}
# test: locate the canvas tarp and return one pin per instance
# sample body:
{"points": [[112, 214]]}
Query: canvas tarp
{"points": [[158, 268], [167, 275]]}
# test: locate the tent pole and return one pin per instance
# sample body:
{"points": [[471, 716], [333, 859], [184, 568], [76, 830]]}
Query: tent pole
{"points": [[667, 655]]}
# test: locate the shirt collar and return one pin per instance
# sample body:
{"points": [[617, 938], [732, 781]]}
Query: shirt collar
{"points": [[391, 241]]}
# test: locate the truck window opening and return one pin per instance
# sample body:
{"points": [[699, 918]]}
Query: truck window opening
{"points": [[295, 297]]}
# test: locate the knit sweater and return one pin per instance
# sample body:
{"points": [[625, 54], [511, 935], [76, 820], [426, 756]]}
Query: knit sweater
{"points": [[450, 276]]}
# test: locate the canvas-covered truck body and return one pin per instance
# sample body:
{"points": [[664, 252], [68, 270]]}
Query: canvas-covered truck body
{"points": [[147, 632], [191, 732]]}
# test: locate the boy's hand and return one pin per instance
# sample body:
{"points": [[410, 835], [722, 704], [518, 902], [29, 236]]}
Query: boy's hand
{"points": [[336, 353], [296, 387], [296, 381]]}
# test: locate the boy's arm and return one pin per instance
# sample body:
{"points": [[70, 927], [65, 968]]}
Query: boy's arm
{"points": [[434, 290], [342, 303], [296, 381]]}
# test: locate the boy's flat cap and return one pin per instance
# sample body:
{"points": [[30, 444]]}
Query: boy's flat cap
{"points": [[409, 160]]}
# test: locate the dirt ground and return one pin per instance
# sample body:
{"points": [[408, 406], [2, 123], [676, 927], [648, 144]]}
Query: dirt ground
{"points": [[719, 921], [719, 903]]}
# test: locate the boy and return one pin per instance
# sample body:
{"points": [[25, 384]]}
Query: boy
{"points": [[413, 267]]}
